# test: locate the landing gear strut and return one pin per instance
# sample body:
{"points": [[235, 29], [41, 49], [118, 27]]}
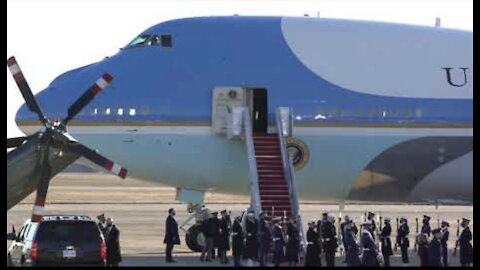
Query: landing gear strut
{"points": [[194, 237]]}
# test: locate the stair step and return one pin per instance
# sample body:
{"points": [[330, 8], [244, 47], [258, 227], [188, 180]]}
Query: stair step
{"points": [[274, 193], [259, 147], [268, 153], [272, 163], [277, 167]]}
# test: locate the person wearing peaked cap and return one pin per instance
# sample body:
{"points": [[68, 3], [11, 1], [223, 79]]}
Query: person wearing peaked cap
{"points": [[237, 242], [465, 243], [224, 237], [426, 228], [402, 239], [312, 258], [444, 242], [330, 243], [435, 249], [278, 242], [373, 228], [216, 237], [386, 242], [265, 239], [293, 244]]}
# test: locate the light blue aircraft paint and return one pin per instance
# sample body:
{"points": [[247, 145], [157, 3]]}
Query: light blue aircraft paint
{"points": [[385, 110]]}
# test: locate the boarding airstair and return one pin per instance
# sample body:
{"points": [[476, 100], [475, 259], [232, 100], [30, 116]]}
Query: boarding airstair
{"points": [[272, 176]]}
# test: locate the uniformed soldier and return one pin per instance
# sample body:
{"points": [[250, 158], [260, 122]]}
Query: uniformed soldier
{"points": [[369, 252], [444, 242], [465, 243], [435, 249], [278, 242], [265, 240], [251, 246], [422, 242], [330, 244], [293, 243], [237, 242], [386, 242], [352, 249], [402, 239], [373, 225], [426, 228], [343, 226], [216, 235], [312, 257], [102, 224], [209, 230], [224, 236]]}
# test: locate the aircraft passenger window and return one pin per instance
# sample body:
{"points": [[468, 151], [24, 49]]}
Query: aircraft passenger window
{"points": [[384, 112], [132, 111], [394, 112], [167, 41], [334, 112], [418, 113], [145, 110], [358, 112], [120, 111], [140, 40], [107, 111], [371, 112], [406, 112], [94, 111]]}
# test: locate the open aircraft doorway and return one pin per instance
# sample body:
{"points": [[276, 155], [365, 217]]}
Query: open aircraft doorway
{"points": [[260, 110]]}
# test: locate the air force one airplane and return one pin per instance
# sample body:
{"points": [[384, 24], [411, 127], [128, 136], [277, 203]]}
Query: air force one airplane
{"points": [[381, 112]]}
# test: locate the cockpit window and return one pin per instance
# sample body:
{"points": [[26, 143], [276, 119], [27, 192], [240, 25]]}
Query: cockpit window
{"points": [[152, 40], [140, 40]]}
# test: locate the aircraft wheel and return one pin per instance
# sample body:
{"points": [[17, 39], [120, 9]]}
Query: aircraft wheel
{"points": [[195, 239]]}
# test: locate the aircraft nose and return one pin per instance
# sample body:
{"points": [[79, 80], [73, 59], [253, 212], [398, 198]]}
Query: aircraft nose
{"points": [[25, 118]]}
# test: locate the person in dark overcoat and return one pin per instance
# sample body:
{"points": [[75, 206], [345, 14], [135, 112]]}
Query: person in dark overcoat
{"points": [[172, 237], [435, 249], [114, 254], [465, 243], [386, 242], [293, 244], [278, 242], [224, 236], [312, 258], [237, 242], [422, 242]]}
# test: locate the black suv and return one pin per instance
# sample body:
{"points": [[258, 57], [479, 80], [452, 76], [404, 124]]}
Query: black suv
{"points": [[58, 241]]}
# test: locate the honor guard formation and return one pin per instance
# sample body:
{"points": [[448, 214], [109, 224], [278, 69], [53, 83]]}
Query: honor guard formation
{"points": [[277, 241]]}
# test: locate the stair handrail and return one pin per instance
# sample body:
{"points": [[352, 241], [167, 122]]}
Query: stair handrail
{"points": [[290, 172], [252, 164]]}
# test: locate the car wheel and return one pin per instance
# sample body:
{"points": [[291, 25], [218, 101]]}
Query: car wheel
{"points": [[195, 239]]}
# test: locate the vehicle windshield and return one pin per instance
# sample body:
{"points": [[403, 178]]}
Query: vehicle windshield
{"points": [[70, 232]]}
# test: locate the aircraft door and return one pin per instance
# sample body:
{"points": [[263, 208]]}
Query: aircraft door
{"points": [[225, 99], [260, 110]]}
